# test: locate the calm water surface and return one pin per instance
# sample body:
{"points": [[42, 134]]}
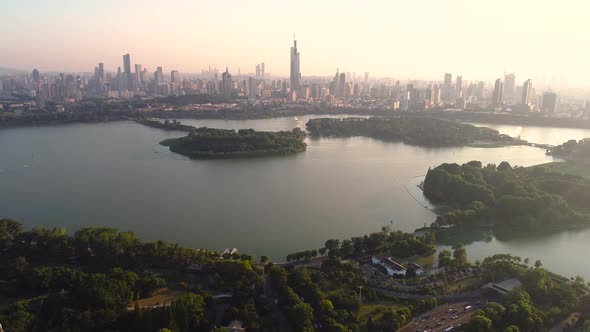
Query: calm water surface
{"points": [[116, 174]]}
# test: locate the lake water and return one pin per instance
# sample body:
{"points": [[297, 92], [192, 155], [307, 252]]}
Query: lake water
{"points": [[117, 174]]}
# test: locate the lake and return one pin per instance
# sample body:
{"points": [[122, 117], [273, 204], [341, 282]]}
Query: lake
{"points": [[117, 174]]}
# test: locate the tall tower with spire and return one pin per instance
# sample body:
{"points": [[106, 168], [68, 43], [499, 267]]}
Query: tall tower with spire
{"points": [[295, 68]]}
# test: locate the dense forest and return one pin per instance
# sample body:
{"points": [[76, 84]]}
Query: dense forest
{"points": [[507, 197], [101, 279], [572, 150], [206, 143], [93, 280], [409, 129]]}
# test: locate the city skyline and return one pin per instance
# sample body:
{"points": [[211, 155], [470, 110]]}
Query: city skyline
{"points": [[476, 40]]}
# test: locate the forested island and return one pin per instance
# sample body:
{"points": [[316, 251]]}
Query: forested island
{"points": [[412, 130], [516, 199], [101, 279], [208, 143]]}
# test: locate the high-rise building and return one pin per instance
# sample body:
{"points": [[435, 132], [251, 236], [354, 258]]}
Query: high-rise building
{"points": [[342, 85], [175, 76], [258, 71], [459, 87], [36, 76], [497, 94], [138, 78], [252, 87], [549, 102], [527, 92], [159, 75], [101, 76], [262, 74], [509, 85], [127, 71], [479, 92], [226, 87], [295, 68], [447, 87]]}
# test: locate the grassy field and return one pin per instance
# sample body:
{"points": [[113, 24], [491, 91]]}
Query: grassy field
{"points": [[375, 310], [462, 285], [568, 167], [161, 297]]}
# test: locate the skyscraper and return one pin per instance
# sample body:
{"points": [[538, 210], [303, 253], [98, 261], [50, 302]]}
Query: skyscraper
{"points": [[497, 94], [36, 76], [101, 76], [509, 85], [175, 76], [459, 87], [159, 75], [549, 102], [227, 84], [138, 78], [295, 68], [527, 91], [447, 87], [479, 92], [127, 71], [342, 85]]}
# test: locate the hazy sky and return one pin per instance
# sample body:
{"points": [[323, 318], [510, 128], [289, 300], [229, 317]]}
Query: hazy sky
{"points": [[401, 39]]}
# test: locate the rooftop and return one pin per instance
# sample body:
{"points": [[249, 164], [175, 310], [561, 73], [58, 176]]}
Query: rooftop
{"points": [[392, 264]]}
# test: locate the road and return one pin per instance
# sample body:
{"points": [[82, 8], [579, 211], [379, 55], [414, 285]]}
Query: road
{"points": [[447, 297], [441, 318]]}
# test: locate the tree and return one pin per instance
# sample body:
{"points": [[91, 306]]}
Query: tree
{"points": [[264, 259], [333, 246], [9, 229], [538, 264], [21, 264], [504, 166], [301, 317], [459, 255], [444, 258], [512, 328], [480, 323]]}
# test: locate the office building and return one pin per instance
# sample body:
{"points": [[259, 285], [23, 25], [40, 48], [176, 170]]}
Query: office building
{"points": [[498, 91], [509, 86], [459, 87], [295, 68], [447, 87], [527, 92], [549, 104], [127, 72]]}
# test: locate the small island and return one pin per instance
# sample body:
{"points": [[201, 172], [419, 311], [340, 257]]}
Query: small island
{"points": [[209, 143], [412, 130]]}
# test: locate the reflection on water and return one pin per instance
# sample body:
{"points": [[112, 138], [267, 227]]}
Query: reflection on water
{"points": [[116, 174]]}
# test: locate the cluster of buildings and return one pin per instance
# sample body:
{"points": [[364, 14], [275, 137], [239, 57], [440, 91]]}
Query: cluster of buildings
{"points": [[395, 269], [343, 90]]}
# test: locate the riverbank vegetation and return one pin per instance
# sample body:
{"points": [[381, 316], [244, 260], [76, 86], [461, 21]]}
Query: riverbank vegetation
{"points": [[519, 199], [410, 129], [207, 143], [100, 279]]}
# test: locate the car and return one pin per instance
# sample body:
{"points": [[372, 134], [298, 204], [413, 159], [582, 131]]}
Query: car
{"points": [[443, 318], [454, 317]]}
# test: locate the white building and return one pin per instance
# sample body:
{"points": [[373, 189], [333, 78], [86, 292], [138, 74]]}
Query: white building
{"points": [[393, 268]]}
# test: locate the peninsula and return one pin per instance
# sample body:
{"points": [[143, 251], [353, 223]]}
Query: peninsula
{"points": [[412, 130]]}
